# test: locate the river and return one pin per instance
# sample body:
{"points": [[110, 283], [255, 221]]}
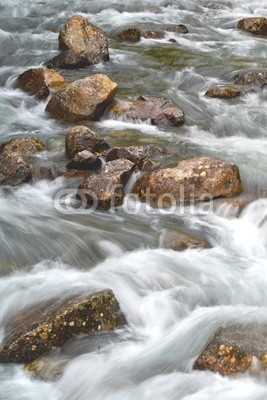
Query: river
{"points": [[173, 301]]}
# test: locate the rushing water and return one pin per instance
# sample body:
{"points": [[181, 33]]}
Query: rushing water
{"points": [[174, 302]]}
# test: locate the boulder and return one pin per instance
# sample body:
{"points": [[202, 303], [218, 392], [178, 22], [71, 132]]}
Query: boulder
{"points": [[40, 81], [106, 190], [255, 25], [68, 60], [21, 146], [190, 181], [153, 35], [81, 37], [36, 331], [138, 153], [177, 28], [223, 92], [158, 110], [235, 349], [85, 161], [180, 241], [14, 170], [254, 77], [84, 99], [82, 138], [129, 35]]}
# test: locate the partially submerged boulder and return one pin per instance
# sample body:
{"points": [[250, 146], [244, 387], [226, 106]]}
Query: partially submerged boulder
{"points": [[68, 60], [21, 146], [253, 77], [81, 37], [14, 170], [43, 327], [223, 92], [85, 161], [255, 25], [106, 190], [129, 35], [180, 241], [158, 110], [137, 153], [84, 99], [235, 349], [190, 181], [153, 35], [40, 81], [82, 138]]}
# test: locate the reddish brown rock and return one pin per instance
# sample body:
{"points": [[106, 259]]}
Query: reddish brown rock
{"points": [[85, 99], [82, 138], [255, 25], [254, 77], [40, 81], [74, 173], [191, 181], [223, 92], [21, 146], [81, 37], [158, 110], [129, 35], [235, 349], [43, 327], [14, 170]]}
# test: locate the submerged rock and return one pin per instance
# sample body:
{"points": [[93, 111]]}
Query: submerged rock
{"points": [[81, 37], [255, 25], [40, 81], [43, 327], [235, 349], [83, 99], [46, 368], [180, 241], [158, 110], [68, 60], [129, 35], [223, 92], [14, 170], [85, 161], [153, 35], [106, 190], [82, 138], [137, 153], [177, 28], [21, 146], [254, 77], [191, 181]]}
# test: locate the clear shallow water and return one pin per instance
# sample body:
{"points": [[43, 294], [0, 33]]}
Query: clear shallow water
{"points": [[174, 302]]}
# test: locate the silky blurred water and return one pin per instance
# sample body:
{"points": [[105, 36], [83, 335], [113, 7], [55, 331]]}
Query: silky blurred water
{"points": [[173, 302]]}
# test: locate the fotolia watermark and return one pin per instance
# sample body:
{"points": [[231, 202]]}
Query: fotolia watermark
{"points": [[85, 201]]}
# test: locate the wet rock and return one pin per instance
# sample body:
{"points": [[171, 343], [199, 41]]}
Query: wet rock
{"points": [[223, 92], [46, 368], [137, 153], [106, 190], [81, 37], [14, 170], [255, 25], [180, 241], [21, 146], [36, 331], [191, 181], [85, 161], [254, 77], [158, 110], [172, 40], [68, 60], [153, 35], [129, 35], [83, 99], [235, 349], [40, 81], [74, 173], [219, 5], [177, 28], [82, 138], [236, 204]]}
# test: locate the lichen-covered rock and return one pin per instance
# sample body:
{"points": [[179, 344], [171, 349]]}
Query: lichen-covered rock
{"points": [[82, 138], [254, 77], [129, 35], [180, 241], [85, 161], [235, 349], [40, 81], [79, 36], [43, 327], [83, 99], [14, 170], [255, 25], [158, 110], [191, 181], [106, 190], [68, 60], [137, 153], [223, 92], [21, 146], [153, 35], [177, 28]]}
